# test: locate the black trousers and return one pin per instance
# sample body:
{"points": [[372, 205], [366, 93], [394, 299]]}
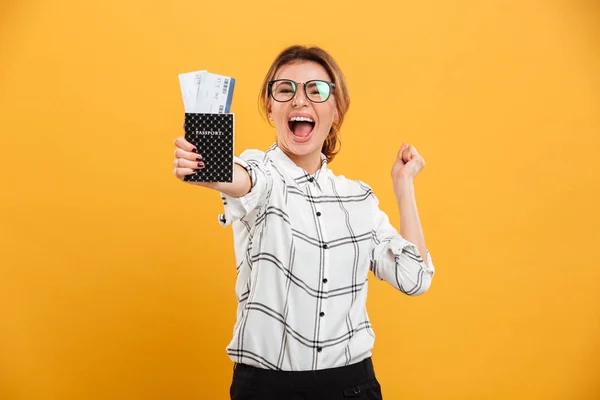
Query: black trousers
{"points": [[356, 381]]}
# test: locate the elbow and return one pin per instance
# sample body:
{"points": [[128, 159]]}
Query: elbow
{"points": [[423, 287], [418, 282]]}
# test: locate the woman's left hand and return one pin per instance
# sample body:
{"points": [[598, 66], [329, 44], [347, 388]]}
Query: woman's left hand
{"points": [[408, 164]]}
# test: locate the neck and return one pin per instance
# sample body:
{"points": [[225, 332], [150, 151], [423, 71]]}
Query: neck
{"points": [[311, 163]]}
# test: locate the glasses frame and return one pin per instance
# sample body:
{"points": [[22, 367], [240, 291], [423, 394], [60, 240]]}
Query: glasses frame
{"points": [[270, 88]]}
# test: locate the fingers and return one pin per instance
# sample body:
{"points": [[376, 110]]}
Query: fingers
{"points": [[187, 160], [400, 156], [183, 163], [186, 155], [402, 148], [185, 167], [408, 152], [181, 172], [185, 145]]}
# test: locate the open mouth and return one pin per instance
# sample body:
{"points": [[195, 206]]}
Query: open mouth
{"points": [[301, 127]]}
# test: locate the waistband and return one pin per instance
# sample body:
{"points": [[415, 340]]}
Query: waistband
{"points": [[361, 371]]}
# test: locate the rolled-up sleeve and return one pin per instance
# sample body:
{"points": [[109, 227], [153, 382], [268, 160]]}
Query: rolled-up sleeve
{"points": [[236, 208], [396, 260]]}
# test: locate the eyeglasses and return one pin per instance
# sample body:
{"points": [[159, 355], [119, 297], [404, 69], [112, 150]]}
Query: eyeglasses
{"points": [[283, 90]]}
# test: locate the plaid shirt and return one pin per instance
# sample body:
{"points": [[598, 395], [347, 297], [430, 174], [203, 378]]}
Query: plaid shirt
{"points": [[304, 245]]}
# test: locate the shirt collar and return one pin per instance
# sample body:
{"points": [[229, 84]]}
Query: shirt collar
{"points": [[300, 175]]}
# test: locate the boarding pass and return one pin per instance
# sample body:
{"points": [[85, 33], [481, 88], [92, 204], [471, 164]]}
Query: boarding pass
{"points": [[205, 92]]}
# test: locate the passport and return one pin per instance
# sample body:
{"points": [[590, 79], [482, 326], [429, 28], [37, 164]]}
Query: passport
{"points": [[209, 125], [212, 134]]}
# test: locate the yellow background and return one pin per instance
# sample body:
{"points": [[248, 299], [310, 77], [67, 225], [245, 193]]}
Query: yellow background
{"points": [[116, 281]]}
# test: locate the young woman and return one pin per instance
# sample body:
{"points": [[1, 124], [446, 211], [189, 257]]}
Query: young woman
{"points": [[305, 240]]}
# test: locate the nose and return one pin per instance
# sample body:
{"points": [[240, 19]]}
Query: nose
{"points": [[299, 99]]}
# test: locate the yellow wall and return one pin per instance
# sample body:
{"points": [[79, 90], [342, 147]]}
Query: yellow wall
{"points": [[116, 281]]}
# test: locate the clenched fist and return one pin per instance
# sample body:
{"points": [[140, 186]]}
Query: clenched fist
{"points": [[408, 164]]}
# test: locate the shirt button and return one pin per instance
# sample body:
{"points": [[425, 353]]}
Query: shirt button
{"points": [[318, 213], [325, 246], [311, 179], [322, 314], [319, 349], [324, 280]]}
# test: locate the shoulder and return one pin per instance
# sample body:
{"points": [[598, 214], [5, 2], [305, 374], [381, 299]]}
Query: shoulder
{"points": [[354, 185], [253, 158], [262, 156], [253, 155]]}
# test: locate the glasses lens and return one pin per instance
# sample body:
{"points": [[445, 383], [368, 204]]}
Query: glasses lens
{"points": [[318, 91], [283, 90]]}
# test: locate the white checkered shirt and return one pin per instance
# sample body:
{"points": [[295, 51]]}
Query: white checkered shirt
{"points": [[304, 245]]}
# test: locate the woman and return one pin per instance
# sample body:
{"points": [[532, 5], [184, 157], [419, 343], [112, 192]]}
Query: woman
{"points": [[305, 240]]}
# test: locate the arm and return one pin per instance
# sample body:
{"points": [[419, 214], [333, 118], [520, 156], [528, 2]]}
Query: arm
{"points": [[396, 260], [240, 186], [410, 224], [402, 259], [249, 190], [408, 164]]}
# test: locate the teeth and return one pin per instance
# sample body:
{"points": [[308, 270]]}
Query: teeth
{"points": [[302, 119]]}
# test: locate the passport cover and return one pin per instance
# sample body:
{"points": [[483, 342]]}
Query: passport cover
{"points": [[212, 134]]}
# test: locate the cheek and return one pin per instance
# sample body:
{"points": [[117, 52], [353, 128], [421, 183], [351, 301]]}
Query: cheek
{"points": [[280, 119], [327, 115], [278, 111]]}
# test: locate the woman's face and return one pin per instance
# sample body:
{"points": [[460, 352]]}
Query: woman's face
{"points": [[304, 137]]}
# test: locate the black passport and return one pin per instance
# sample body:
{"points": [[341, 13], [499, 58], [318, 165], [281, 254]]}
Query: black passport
{"points": [[212, 134]]}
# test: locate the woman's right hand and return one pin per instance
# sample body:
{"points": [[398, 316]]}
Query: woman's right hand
{"points": [[187, 160]]}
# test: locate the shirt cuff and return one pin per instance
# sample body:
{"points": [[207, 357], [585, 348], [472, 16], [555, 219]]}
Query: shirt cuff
{"points": [[400, 245], [236, 208]]}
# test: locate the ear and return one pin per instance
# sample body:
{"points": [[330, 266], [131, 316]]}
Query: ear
{"points": [[336, 116], [269, 110]]}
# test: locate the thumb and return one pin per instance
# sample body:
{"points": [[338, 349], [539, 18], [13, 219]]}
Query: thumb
{"points": [[399, 157]]}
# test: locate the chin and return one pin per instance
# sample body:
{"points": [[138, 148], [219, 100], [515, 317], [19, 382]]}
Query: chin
{"points": [[302, 146]]}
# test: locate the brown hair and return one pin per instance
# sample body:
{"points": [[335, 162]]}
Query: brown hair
{"points": [[342, 99]]}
